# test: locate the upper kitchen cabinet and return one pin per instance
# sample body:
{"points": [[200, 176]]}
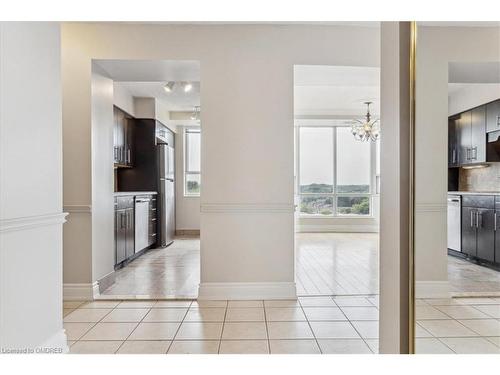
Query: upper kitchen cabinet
{"points": [[122, 138], [470, 136], [453, 144], [478, 135], [493, 116]]}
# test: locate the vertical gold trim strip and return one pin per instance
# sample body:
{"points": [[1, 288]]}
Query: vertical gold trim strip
{"points": [[411, 248]]}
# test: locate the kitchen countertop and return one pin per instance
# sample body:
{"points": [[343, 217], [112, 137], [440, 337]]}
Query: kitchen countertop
{"points": [[474, 192], [125, 193]]}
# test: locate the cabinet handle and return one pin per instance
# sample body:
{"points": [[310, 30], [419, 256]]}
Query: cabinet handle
{"points": [[128, 155], [479, 219], [495, 223], [472, 219], [498, 120], [474, 149], [467, 154]]}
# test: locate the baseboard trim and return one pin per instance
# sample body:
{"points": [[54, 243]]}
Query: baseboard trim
{"points": [[432, 289], [80, 292], [56, 341], [247, 291], [106, 281], [247, 208], [77, 208], [187, 232], [340, 228]]}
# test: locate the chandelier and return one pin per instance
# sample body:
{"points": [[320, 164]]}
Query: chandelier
{"points": [[195, 115], [366, 130]]}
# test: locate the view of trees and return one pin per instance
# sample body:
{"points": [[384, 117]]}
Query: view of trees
{"points": [[323, 204]]}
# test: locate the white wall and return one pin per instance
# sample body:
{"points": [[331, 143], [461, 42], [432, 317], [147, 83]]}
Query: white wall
{"points": [[103, 254], [437, 46], [472, 95], [187, 210], [123, 99], [247, 143], [31, 179]]}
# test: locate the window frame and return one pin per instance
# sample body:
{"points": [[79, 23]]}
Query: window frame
{"points": [[186, 149], [335, 195]]}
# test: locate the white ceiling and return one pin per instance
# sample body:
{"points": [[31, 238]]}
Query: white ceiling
{"points": [[335, 91], [177, 100], [146, 79]]}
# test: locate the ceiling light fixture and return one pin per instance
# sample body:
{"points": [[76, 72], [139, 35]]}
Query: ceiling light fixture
{"points": [[188, 86], [366, 129], [169, 87], [196, 113]]}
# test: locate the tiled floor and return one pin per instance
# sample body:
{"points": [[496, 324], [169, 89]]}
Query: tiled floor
{"points": [[308, 325], [328, 325], [326, 264]]}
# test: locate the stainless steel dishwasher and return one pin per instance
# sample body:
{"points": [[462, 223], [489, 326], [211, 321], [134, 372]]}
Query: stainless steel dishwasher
{"points": [[141, 223], [454, 222]]}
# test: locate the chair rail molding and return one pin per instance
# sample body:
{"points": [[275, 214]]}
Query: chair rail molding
{"points": [[30, 222]]}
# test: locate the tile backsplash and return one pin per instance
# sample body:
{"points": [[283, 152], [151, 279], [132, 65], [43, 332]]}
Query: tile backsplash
{"points": [[480, 179]]}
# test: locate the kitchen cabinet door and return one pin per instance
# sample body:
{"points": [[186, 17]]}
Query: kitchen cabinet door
{"points": [[120, 236], [469, 244], [486, 234], [478, 135], [464, 134], [497, 238], [130, 232], [493, 116], [453, 144]]}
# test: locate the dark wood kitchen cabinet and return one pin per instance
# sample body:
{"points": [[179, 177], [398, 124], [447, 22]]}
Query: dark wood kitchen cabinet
{"points": [[453, 145], [493, 116], [124, 228], [471, 134], [478, 227], [122, 138]]}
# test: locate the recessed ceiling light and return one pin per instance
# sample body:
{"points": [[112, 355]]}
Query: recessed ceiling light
{"points": [[169, 86], [188, 86]]}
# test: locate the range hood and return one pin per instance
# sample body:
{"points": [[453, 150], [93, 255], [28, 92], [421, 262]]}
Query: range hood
{"points": [[493, 146]]}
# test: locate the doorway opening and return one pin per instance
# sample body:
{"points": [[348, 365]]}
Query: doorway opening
{"points": [[150, 112]]}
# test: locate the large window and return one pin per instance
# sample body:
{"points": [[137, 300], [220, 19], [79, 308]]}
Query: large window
{"points": [[192, 143], [335, 172]]}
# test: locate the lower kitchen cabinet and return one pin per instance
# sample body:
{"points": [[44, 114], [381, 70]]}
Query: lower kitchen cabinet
{"points": [[479, 227], [124, 228]]}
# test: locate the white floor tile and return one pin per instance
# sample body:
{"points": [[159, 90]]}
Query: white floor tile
{"points": [[172, 303], [165, 315], [317, 302], [95, 347], [199, 331], [367, 329], [492, 311], [463, 312], [245, 314], [429, 312], [333, 330], [99, 305], [324, 313], [126, 315], [194, 347], [209, 304], [344, 346], [86, 315], [245, 304], [205, 314], [446, 328], [144, 347], [289, 330], [361, 313], [294, 347], [244, 331], [431, 346], [471, 345], [155, 331], [282, 303], [135, 304], [110, 331], [352, 301], [284, 314], [244, 347], [484, 327], [74, 331]]}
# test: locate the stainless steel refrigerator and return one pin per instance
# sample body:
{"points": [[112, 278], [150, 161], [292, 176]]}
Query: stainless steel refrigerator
{"points": [[167, 193]]}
